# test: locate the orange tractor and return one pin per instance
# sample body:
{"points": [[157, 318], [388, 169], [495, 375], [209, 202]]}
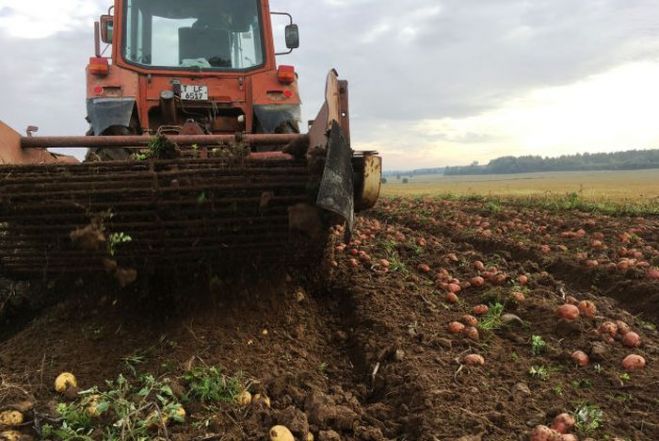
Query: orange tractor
{"points": [[195, 155]]}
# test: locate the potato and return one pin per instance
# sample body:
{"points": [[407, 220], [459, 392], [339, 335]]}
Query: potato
{"points": [[456, 327], [471, 333], [631, 340], [11, 418], [11, 435], [587, 309], [65, 381], [623, 328], [608, 329], [480, 309], [262, 399], [544, 433], [92, 406], [310, 437], [244, 398], [281, 433], [633, 363], [563, 423], [568, 312], [581, 358], [473, 360], [469, 320]]}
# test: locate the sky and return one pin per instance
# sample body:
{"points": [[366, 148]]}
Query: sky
{"points": [[432, 82]]}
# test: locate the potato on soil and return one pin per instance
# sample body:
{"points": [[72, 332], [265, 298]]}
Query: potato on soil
{"points": [[281, 433], [633, 363], [473, 360], [580, 358], [471, 333], [544, 433], [262, 400], [12, 435], [456, 327], [244, 398], [11, 418], [469, 320], [64, 381], [587, 309], [480, 309], [631, 340], [563, 423], [568, 312]]}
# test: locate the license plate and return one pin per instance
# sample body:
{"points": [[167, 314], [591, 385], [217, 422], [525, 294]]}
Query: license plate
{"points": [[194, 93]]}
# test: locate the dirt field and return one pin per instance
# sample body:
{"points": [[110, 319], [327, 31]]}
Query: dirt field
{"points": [[364, 352]]}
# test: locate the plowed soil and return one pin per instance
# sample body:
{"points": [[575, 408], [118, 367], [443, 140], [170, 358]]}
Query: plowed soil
{"points": [[363, 351]]}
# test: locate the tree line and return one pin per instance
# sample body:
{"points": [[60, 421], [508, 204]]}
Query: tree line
{"points": [[629, 160]]}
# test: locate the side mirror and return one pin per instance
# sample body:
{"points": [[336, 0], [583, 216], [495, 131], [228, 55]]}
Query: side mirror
{"points": [[292, 36], [107, 28]]}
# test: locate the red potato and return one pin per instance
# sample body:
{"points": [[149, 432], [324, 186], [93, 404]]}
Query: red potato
{"points": [[354, 263], [471, 333], [568, 437], [424, 268], [608, 329], [563, 423], [592, 264], [478, 265], [519, 297], [544, 433], [480, 309], [631, 340], [633, 363], [473, 360], [523, 280], [568, 312], [623, 328], [452, 298], [454, 288], [587, 309], [456, 328], [469, 320], [581, 358], [478, 281], [653, 274], [385, 263]]}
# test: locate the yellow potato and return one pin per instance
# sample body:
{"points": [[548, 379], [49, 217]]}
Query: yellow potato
{"points": [[92, 406], [11, 418], [310, 436], [244, 398], [10, 435], [258, 398], [180, 413], [281, 433], [64, 381]]}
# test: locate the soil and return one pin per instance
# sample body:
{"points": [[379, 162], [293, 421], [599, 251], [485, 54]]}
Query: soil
{"points": [[364, 352]]}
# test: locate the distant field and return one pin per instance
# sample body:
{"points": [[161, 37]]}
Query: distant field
{"points": [[600, 185]]}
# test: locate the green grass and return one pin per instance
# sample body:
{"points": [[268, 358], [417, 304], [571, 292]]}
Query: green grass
{"points": [[209, 385], [492, 319]]}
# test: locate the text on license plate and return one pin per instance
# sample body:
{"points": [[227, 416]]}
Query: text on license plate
{"points": [[194, 93]]}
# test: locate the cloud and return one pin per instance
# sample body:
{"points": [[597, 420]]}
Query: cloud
{"points": [[409, 63], [38, 19]]}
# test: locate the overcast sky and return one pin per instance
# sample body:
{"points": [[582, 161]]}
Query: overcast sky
{"points": [[433, 82]]}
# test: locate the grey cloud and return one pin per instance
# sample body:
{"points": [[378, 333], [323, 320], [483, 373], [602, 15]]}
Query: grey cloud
{"points": [[411, 60]]}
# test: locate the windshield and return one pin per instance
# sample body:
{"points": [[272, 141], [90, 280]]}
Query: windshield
{"points": [[203, 34]]}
